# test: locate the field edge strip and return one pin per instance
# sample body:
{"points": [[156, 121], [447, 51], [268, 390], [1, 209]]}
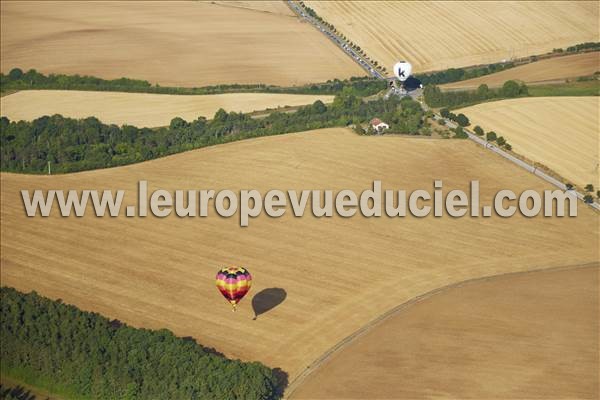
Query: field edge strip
{"points": [[315, 365]]}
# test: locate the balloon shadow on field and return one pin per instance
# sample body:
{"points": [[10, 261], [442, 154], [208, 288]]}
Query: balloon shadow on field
{"points": [[267, 299]]}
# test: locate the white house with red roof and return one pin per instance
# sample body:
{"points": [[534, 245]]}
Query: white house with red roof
{"points": [[378, 125]]}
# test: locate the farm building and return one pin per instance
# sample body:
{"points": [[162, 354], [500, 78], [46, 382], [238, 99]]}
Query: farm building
{"points": [[378, 125]]}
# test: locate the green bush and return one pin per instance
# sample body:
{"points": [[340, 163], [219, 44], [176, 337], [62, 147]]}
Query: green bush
{"points": [[459, 133], [462, 120], [490, 136]]}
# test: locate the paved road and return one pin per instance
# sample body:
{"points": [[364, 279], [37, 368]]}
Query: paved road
{"points": [[337, 40], [342, 44], [520, 163]]}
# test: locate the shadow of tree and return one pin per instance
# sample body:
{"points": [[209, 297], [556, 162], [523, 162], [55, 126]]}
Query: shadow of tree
{"points": [[282, 381], [209, 350], [267, 299], [15, 393]]}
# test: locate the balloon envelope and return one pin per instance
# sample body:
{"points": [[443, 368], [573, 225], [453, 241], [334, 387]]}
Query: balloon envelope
{"points": [[402, 70], [233, 283]]}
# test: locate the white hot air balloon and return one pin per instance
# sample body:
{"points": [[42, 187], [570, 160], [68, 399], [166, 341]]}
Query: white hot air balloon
{"points": [[402, 70]]}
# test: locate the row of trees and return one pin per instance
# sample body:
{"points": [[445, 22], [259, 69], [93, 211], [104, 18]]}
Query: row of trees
{"points": [[334, 30], [587, 46], [83, 355], [460, 119], [461, 74], [492, 136], [17, 79], [71, 145], [435, 97]]}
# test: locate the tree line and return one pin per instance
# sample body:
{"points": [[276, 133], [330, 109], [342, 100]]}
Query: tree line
{"points": [[17, 79], [587, 46], [71, 145], [435, 97], [84, 355], [461, 74]]}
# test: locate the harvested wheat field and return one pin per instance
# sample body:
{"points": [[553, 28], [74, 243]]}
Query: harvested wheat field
{"points": [[558, 132], [549, 70], [337, 273], [170, 43], [526, 336], [437, 35], [140, 109]]}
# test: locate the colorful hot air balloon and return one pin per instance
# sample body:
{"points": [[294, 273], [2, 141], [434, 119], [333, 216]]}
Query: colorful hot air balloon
{"points": [[234, 283]]}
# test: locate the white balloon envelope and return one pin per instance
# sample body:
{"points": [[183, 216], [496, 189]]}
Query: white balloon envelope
{"points": [[402, 70]]}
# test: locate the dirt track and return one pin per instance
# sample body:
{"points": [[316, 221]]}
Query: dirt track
{"points": [[526, 335]]}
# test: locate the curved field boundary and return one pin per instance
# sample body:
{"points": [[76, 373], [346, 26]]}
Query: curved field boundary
{"points": [[142, 109], [377, 321]]}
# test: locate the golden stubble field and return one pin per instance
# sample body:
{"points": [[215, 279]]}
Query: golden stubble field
{"points": [[338, 273], [140, 109], [559, 132], [527, 336], [548, 70], [437, 35], [171, 43]]}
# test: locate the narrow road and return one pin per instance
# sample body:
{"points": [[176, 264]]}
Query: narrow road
{"points": [[337, 40], [534, 170], [344, 45]]}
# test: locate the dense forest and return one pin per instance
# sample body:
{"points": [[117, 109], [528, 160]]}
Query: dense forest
{"points": [[16, 79], [83, 355], [71, 145], [434, 97]]}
